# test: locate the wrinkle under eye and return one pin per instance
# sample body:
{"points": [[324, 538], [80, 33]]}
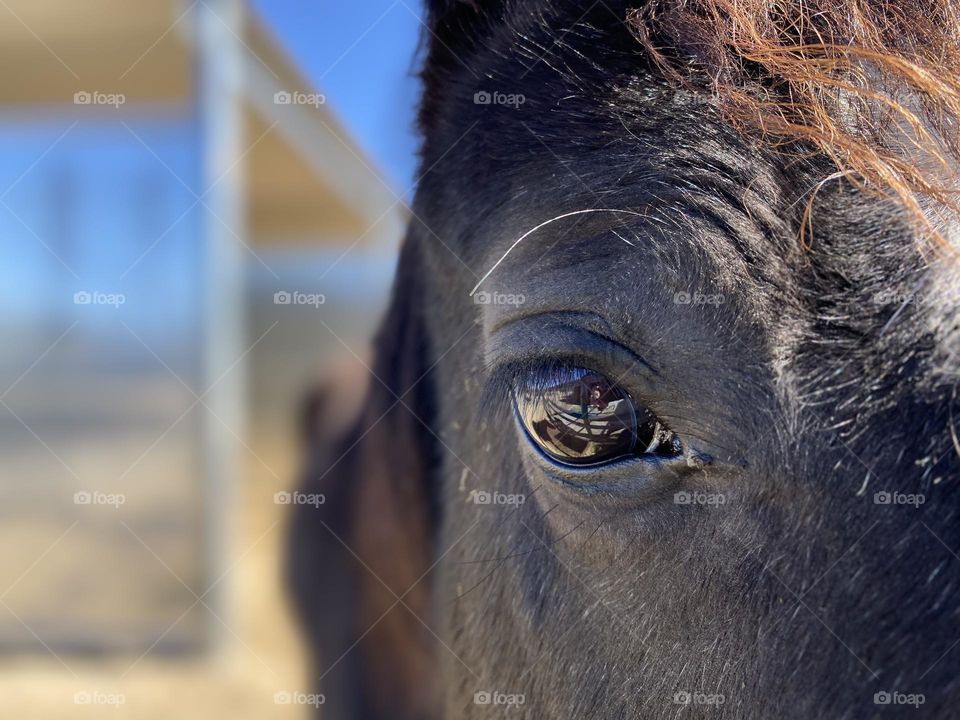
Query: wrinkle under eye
{"points": [[581, 417]]}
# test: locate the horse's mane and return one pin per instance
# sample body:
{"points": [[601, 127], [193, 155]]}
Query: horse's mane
{"points": [[873, 84]]}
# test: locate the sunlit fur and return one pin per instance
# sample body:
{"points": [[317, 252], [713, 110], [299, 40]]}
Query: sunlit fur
{"points": [[826, 375]]}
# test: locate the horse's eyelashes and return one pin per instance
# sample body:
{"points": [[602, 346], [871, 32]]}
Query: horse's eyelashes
{"points": [[581, 417]]}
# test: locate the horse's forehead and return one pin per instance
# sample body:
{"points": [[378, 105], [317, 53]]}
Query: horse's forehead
{"points": [[735, 211]]}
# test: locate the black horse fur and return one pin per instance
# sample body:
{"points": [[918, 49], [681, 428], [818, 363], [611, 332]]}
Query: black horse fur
{"points": [[812, 385]]}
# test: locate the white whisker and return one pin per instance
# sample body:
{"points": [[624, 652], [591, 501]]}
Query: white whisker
{"points": [[545, 223]]}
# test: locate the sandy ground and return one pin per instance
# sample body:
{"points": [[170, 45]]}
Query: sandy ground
{"points": [[258, 668]]}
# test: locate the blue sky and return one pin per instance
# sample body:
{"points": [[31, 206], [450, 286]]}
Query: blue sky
{"points": [[360, 55], [97, 198]]}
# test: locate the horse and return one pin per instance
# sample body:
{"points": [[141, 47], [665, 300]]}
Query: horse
{"points": [[661, 413]]}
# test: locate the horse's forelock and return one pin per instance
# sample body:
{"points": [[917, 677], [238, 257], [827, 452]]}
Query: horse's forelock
{"points": [[873, 84]]}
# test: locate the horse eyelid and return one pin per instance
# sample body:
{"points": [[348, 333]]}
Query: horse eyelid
{"points": [[497, 393]]}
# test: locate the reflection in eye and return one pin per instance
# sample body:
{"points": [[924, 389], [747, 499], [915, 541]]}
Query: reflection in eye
{"points": [[580, 417]]}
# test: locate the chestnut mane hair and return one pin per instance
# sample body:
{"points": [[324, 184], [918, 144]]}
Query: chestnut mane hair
{"points": [[873, 84]]}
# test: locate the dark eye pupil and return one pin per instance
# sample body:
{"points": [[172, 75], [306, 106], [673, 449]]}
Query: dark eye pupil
{"points": [[582, 418]]}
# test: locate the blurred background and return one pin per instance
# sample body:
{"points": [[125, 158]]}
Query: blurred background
{"points": [[200, 208]]}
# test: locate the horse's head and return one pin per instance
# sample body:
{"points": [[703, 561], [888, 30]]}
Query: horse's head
{"points": [[663, 415]]}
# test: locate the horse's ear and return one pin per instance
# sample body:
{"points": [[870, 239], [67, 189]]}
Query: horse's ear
{"points": [[360, 561]]}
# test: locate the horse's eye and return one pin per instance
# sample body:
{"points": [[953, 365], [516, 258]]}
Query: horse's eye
{"points": [[581, 417]]}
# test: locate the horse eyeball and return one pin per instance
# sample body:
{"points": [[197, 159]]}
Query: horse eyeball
{"points": [[581, 417]]}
